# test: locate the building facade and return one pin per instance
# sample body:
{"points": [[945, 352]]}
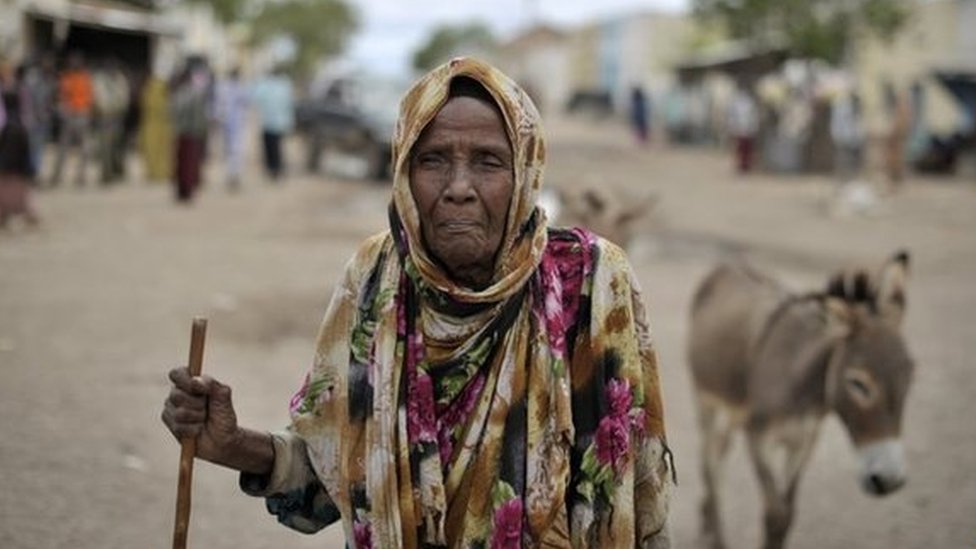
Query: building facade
{"points": [[148, 35], [603, 59]]}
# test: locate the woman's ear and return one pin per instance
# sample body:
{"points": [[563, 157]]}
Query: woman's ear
{"points": [[891, 289]]}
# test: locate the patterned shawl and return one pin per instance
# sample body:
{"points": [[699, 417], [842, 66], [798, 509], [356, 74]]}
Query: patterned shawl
{"points": [[524, 414]]}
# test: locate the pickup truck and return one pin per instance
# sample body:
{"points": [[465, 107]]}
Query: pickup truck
{"points": [[348, 128]]}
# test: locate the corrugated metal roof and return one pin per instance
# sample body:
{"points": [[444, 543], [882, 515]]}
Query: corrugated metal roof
{"points": [[115, 16]]}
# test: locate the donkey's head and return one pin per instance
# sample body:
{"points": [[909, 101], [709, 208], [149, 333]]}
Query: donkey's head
{"points": [[870, 369], [607, 214]]}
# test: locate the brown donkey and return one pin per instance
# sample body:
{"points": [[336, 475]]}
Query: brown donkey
{"points": [[775, 363]]}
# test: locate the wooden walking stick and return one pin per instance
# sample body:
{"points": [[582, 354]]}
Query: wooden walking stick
{"points": [[188, 446]]}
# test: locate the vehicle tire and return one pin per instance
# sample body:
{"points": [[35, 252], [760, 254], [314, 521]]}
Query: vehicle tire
{"points": [[314, 143], [379, 163]]}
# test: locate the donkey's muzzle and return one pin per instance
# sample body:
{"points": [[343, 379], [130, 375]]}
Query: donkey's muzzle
{"points": [[882, 467], [878, 485]]}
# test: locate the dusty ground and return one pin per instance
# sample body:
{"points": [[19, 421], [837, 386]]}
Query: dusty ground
{"points": [[96, 307]]}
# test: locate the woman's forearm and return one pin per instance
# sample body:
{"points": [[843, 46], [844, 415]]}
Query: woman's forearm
{"points": [[252, 452]]}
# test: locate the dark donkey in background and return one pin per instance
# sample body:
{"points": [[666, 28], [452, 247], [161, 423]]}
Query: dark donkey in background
{"points": [[775, 363]]}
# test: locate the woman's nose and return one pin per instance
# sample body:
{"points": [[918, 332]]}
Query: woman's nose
{"points": [[460, 185]]}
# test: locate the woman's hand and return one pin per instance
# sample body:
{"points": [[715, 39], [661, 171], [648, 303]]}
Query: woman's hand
{"points": [[201, 407]]}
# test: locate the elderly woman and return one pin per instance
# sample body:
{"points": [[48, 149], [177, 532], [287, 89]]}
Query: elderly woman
{"points": [[480, 378]]}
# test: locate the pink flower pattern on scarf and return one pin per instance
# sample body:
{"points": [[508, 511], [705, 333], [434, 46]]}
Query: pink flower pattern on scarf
{"points": [[421, 422], [363, 535], [507, 525], [613, 435]]}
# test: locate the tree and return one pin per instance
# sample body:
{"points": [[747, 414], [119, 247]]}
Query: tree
{"points": [[318, 29], [228, 11], [449, 40], [821, 29]]}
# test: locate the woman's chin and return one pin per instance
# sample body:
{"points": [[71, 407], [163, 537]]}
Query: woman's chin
{"points": [[467, 263], [463, 248], [465, 260]]}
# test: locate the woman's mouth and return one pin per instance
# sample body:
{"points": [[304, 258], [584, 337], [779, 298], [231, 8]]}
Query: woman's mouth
{"points": [[457, 227]]}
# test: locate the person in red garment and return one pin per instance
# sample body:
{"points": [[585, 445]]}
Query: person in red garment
{"points": [[190, 124]]}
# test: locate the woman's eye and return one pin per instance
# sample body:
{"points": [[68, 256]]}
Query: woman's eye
{"points": [[429, 160], [490, 161]]}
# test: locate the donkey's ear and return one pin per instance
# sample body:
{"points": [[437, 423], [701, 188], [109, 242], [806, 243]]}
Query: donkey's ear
{"points": [[632, 212], [575, 205], [892, 287], [838, 316], [595, 200], [852, 286]]}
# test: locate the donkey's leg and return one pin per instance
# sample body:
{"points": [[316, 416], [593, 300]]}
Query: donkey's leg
{"points": [[716, 425], [779, 454]]}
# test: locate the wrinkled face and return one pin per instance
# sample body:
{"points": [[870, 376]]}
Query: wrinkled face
{"points": [[873, 377], [462, 179]]}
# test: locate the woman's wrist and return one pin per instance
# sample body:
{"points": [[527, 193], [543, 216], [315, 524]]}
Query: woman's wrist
{"points": [[250, 452]]}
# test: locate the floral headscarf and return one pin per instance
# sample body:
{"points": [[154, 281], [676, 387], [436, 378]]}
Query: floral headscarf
{"points": [[525, 414]]}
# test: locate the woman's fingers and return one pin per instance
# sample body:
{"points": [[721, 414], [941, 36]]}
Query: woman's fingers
{"points": [[220, 398], [189, 415], [199, 385], [182, 399], [185, 408], [183, 430], [200, 406], [183, 422]]}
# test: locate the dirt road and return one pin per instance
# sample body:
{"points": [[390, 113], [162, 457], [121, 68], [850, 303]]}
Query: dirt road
{"points": [[96, 307]]}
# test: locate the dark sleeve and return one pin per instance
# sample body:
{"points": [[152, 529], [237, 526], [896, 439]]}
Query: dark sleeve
{"points": [[292, 491]]}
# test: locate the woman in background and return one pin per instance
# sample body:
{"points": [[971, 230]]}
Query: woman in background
{"points": [[155, 131], [190, 122], [16, 164], [232, 103]]}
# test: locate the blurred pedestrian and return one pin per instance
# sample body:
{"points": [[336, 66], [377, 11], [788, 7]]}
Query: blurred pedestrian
{"points": [[190, 123], [847, 134], [75, 103], [898, 123], [232, 102], [273, 98], [918, 139], [793, 132], [40, 85], [639, 115], [697, 107], [133, 115], [743, 126], [675, 115], [111, 90], [155, 129], [16, 167]]}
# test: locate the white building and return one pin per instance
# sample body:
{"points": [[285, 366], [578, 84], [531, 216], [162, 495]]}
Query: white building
{"points": [[538, 59], [606, 58], [940, 36]]}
